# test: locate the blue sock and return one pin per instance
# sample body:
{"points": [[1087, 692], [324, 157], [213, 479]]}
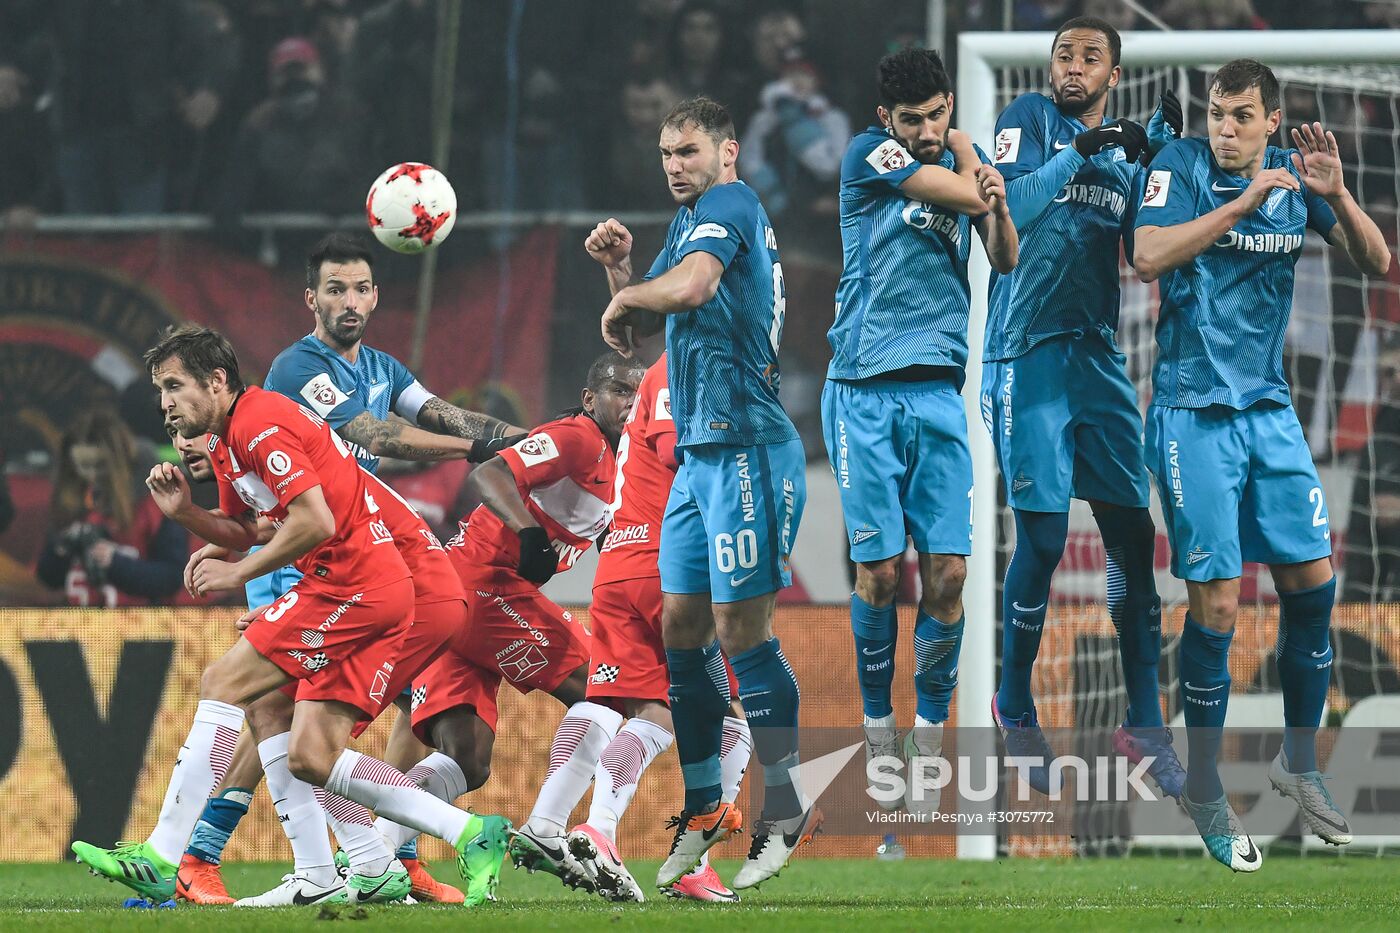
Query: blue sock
{"points": [[1304, 656], [936, 648], [408, 850], [699, 701], [875, 628], [1205, 694], [217, 822], [1040, 542], [768, 690], [1129, 540]]}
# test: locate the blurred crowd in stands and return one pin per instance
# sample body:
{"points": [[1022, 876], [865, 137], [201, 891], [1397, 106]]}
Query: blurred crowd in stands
{"points": [[233, 106]]}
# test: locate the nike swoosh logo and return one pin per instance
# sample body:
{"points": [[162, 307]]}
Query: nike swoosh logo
{"points": [[740, 581], [1019, 608], [298, 898], [1059, 145], [180, 880], [1318, 654], [1113, 129], [709, 834], [1339, 827], [1250, 856], [1226, 189], [1191, 686], [878, 651]]}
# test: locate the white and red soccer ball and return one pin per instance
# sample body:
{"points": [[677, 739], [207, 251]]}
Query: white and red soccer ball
{"points": [[411, 207]]}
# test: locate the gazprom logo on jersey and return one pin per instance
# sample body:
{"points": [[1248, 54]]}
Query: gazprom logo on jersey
{"points": [[1094, 196], [1261, 242], [923, 216]]}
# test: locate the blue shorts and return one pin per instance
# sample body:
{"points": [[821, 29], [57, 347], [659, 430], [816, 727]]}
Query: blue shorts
{"points": [[271, 586], [1065, 424], [900, 455], [1236, 486], [732, 519]]}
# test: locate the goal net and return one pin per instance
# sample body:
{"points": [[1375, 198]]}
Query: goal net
{"points": [[1342, 352]]}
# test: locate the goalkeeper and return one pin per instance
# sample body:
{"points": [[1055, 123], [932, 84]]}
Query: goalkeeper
{"points": [[1058, 402]]}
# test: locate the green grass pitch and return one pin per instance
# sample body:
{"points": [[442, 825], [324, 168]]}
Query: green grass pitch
{"points": [[1339, 894]]}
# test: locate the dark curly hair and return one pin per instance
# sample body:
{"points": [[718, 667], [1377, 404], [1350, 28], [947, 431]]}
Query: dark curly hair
{"points": [[912, 76]]}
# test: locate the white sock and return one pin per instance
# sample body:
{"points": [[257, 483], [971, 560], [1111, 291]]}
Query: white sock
{"points": [[302, 818], [735, 747], [385, 790], [585, 731], [878, 722], [620, 767], [921, 723], [437, 774], [199, 768], [353, 826]]}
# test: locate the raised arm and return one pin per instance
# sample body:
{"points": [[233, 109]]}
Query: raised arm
{"points": [[996, 227], [494, 484], [1355, 233]]}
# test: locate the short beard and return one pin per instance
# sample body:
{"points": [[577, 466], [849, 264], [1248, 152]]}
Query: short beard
{"points": [[336, 335], [1079, 109]]}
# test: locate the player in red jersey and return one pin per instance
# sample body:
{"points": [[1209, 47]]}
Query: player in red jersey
{"points": [[545, 501], [336, 633], [439, 609], [628, 670]]}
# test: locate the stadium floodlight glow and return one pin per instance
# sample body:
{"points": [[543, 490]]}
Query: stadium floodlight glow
{"points": [[980, 55]]}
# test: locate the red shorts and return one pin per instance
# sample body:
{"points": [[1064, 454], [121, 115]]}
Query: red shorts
{"points": [[433, 626], [336, 647], [524, 638], [629, 659]]}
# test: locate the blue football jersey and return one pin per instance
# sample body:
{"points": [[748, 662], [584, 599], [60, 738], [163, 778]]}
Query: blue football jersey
{"points": [[722, 357], [313, 374], [1223, 314], [903, 298], [1066, 279]]}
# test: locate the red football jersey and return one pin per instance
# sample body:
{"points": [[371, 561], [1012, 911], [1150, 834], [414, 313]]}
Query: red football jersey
{"points": [[564, 471], [272, 451], [645, 471], [434, 578]]}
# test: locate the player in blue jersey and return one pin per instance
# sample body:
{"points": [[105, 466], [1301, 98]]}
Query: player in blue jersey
{"points": [[354, 387], [912, 190], [1056, 396], [1221, 225], [737, 499]]}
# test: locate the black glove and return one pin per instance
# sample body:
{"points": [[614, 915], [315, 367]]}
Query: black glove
{"points": [[538, 560], [484, 448], [1170, 105], [1130, 136]]}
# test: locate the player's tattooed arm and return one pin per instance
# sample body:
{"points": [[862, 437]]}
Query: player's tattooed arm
{"points": [[488, 435], [401, 440], [1319, 163]]}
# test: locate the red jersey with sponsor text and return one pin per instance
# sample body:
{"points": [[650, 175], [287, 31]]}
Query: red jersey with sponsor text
{"points": [[643, 483], [272, 451], [434, 578], [564, 471]]}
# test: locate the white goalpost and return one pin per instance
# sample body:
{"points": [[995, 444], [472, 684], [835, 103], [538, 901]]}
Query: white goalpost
{"points": [[1336, 76]]}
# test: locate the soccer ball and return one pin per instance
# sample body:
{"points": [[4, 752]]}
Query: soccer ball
{"points": [[411, 207]]}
